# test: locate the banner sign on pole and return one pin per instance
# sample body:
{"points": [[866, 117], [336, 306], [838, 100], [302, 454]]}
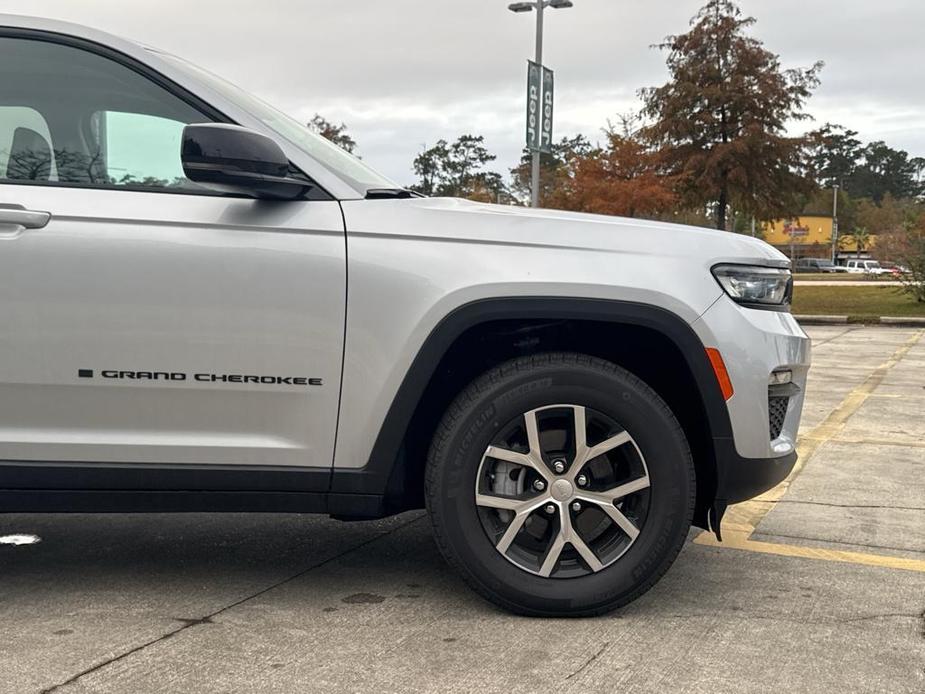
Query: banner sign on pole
{"points": [[534, 91], [540, 90], [545, 144]]}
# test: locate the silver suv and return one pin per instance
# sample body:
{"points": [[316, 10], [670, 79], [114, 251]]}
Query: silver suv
{"points": [[204, 307]]}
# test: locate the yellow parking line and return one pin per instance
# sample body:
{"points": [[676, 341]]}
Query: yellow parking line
{"points": [[899, 442], [738, 541], [899, 396], [742, 519]]}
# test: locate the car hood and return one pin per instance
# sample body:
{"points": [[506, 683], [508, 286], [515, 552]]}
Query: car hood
{"points": [[464, 220]]}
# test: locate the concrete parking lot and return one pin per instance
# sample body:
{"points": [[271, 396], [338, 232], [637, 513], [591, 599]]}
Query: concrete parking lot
{"points": [[820, 586]]}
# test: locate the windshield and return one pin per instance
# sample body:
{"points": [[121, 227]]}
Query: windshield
{"points": [[340, 162]]}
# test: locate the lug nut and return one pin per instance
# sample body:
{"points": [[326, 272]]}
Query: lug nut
{"points": [[558, 466], [576, 507], [539, 485], [550, 509], [582, 480]]}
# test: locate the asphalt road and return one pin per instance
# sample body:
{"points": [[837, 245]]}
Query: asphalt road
{"points": [[820, 586]]}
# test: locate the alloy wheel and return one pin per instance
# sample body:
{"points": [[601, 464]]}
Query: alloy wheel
{"points": [[562, 491]]}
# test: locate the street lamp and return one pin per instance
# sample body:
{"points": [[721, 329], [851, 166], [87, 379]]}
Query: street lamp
{"points": [[539, 6], [835, 224]]}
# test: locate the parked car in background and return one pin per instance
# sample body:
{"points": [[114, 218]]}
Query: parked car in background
{"points": [[866, 267], [817, 265], [894, 268]]}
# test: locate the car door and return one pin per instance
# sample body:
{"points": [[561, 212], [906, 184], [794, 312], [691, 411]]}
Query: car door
{"points": [[143, 319]]}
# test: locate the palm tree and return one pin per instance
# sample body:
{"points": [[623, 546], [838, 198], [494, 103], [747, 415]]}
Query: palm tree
{"points": [[860, 237]]}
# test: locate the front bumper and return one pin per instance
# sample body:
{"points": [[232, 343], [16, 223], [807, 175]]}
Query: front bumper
{"points": [[754, 343], [740, 479]]}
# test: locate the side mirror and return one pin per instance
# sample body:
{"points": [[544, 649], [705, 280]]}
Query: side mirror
{"points": [[232, 159]]}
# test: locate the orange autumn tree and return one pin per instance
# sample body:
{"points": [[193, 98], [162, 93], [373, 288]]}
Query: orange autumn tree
{"points": [[721, 119], [621, 178]]}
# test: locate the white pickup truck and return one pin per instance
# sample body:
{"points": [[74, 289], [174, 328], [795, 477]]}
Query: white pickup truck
{"points": [[866, 267]]}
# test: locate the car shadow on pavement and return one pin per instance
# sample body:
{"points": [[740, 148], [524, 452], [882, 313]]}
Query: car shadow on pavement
{"points": [[248, 544], [217, 559]]}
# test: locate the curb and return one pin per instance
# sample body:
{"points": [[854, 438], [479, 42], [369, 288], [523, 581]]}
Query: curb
{"points": [[890, 321], [909, 322], [821, 320]]}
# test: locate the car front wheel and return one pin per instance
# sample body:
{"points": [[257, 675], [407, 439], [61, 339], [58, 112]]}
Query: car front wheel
{"points": [[560, 485]]}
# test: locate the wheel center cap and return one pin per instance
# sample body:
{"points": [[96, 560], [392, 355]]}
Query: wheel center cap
{"points": [[562, 490]]}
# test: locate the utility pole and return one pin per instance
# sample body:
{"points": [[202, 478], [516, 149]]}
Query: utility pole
{"points": [[835, 224]]}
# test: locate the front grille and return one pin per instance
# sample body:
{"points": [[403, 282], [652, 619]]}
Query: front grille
{"points": [[777, 412]]}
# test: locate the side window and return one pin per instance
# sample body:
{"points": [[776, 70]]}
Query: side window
{"points": [[71, 117], [23, 132], [141, 149]]}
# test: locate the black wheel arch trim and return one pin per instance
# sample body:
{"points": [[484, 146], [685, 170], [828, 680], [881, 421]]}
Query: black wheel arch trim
{"points": [[374, 477]]}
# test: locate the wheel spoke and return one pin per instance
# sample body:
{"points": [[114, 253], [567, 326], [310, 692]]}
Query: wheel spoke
{"points": [[586, 553], [521, 513], [624, 523], [509, 456], [605, 501], [552, 556], [570, 535], [628, 488], [581, 435], [533, 435], [610, 496], [608, 445], [510, 533], [584, 455], [504, 503]]}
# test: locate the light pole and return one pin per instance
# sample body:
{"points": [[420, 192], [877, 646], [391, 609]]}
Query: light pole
{"points": [[539, 6], [835, 224]]}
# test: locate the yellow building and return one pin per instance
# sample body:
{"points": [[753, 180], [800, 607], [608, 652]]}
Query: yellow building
{"points": [[803, 231], [808, 236]]}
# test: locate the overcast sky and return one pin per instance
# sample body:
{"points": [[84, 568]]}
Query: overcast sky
{"points": [[402, 73]]}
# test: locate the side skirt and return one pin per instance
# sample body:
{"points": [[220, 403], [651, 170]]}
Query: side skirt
{"points": [[66, 487], [342, 506]]}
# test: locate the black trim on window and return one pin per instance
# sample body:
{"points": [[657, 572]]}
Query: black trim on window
{"points": [[161, 80]]}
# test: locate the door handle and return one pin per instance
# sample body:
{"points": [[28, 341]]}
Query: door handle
{"points": [[19, 216]]}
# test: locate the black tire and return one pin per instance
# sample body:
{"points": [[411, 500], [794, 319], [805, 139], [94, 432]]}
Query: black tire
{"points": [[524, 384]]}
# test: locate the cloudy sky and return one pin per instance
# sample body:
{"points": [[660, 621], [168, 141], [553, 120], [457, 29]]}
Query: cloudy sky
{"points": [[405, 73]]}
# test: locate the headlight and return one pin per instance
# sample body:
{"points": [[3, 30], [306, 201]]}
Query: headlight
{"points": [[754, 285]]}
